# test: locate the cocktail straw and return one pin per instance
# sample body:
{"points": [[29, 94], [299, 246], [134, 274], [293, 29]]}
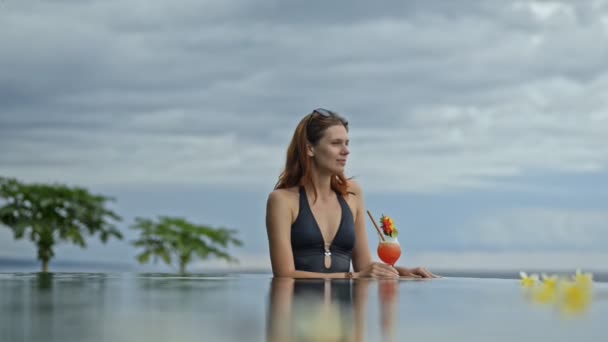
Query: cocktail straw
{"points": [[375, 225]]}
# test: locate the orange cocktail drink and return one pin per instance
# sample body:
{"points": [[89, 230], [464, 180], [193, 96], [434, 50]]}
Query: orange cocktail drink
{"points": [[389, 251]]}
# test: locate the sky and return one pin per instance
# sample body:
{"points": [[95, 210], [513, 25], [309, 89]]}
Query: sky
{"points": [[479, 126]]}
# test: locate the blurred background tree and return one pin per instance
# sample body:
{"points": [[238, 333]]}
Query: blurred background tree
{"points": [[171, 237], [47, 214]]}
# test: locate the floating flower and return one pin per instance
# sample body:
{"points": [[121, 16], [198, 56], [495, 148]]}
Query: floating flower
{"points": [[547, 291], [570, 295], [583, 279], [549, 281], [528, 281], [388, 226], [575, 298]]}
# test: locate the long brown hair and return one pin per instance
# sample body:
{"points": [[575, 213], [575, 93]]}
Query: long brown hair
{"points": [[297, 170]]}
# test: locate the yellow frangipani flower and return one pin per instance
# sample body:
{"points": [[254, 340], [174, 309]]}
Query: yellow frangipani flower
{"points": [[528, 281], [549, 281], [576, 297], [583, 279], [544, 295], [547, 291], [571, 295]]}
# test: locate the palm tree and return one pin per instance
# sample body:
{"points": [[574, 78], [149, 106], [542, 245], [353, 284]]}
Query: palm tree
{"points": [[51, 213], [175, 237]]}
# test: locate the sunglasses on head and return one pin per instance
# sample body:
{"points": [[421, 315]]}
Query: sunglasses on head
{"points": [[324, 112]]}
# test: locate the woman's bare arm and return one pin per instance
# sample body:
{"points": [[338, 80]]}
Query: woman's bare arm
{"points": [[361, 254]]}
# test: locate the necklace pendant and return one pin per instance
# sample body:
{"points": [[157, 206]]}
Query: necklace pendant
{"points": [[327, 259]]}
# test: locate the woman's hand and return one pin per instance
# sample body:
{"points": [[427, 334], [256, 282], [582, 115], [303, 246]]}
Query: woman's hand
{"points": [[418, 272], [379, 270]]}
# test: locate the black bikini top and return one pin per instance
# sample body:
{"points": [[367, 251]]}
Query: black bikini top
{"points": [[307, 244]]}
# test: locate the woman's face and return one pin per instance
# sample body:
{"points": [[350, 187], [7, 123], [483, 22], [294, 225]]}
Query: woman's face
{"points": [[332, 150]]}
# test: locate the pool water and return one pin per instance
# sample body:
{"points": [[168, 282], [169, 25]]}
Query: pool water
{"points": [[254, 307]]}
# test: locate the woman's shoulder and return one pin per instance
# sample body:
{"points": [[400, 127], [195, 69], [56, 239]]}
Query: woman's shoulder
{"points": [[354, 188], [285, 194]]}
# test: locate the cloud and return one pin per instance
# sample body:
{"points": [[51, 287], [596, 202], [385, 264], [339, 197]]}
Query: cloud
{"points": [[539, 229], [11, 247], [452, 97]]}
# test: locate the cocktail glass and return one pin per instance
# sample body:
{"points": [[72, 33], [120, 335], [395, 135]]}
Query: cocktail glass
{"points": [[389, 250]]}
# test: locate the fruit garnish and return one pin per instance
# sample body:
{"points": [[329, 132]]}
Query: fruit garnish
{"points": [[388, 226]]}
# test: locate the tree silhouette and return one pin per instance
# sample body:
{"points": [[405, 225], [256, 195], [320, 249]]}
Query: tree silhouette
{"points": [[170, 237], [47, 214]]}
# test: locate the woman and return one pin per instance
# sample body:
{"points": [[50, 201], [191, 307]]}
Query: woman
{"points": [[315, 217]]}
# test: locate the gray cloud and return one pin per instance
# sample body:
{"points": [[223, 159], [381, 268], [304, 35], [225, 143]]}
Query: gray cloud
{"points": [[541, 229], [451, 95]]}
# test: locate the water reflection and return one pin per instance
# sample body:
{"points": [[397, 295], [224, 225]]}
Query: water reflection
{"points": [[149, 308], [328, 310], [41, 305], [388, 291], [44, 281]]}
